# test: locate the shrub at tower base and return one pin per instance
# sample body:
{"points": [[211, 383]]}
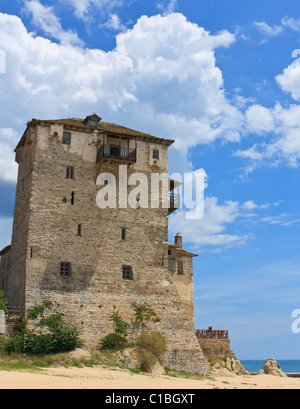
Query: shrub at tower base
{"points": [[148, 345], [44, 332]]}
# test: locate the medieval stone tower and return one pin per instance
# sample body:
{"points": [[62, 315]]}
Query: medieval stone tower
{"points": [[92, 261]]}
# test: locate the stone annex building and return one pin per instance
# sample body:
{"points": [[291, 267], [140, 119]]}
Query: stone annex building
{"points": [[94, 261]]}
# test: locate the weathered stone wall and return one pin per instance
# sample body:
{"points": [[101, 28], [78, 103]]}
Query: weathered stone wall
{"points": [[185, 284], [19, 249], [4, 270], [45, 234], [216, 348], [10, 325]]}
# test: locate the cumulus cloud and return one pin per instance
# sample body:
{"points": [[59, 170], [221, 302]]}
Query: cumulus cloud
{"points": [[8, 141], [211, 229], [283, 144], [161, 78], [259, 119], [289, 80]]}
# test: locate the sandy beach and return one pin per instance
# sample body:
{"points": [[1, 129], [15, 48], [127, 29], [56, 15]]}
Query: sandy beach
{"points": [[100, 378]]}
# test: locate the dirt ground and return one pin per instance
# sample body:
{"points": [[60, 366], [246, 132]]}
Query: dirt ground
{"points": [[100, 378]]}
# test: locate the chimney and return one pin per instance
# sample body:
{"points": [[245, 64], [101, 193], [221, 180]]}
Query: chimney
{"points": [[178, 240]]}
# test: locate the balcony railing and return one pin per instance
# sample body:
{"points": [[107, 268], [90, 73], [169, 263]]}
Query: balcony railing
{"points": [[174, 202], [116, 152], [211, 334]]}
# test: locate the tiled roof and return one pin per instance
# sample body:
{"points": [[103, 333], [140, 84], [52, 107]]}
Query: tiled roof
{"points": [[181, 251], [108, 127], [5, 250]]}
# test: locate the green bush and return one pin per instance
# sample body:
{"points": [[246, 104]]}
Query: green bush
{"points": [[48, 333], [118, 339], [146, 360], [3, 302], [113, 341], [153, 342]]}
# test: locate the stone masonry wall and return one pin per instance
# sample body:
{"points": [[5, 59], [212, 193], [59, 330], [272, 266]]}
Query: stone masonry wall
{"points": [[216, 348], [95, 287]]}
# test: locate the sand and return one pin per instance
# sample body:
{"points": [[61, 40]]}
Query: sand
{"points": [[100, 378]]}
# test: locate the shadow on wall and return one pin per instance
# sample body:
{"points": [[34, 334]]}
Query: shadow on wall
{"points": [[59, 278]]}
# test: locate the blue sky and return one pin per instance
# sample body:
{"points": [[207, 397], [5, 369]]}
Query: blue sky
{"points": [[222, 78]]}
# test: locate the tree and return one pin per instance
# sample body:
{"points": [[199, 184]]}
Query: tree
{"points": [[3, 302]]}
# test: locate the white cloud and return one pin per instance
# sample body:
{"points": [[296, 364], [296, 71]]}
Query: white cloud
{"points": [[291, 23], [283, 145], [259, 119], [167, 8], [268, 30], [161, 78], [44, 18], [8, 167], [249, 205], [210, 230], [87, 10], [283, 219], [289, 80], [223, 225], [114, 23], [6, 232]]}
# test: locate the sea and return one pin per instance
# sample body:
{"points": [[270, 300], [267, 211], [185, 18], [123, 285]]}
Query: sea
{"points": [[288, 366]]}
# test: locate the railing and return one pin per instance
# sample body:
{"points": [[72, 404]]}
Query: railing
{"points": [[116, 152], [174, 202], [211, 334]]}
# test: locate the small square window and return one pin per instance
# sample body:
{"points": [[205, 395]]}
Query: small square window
{"points": [[65, 269], [70, 173], [127, 273], [155, 154], [66, 138], [169, 252]]}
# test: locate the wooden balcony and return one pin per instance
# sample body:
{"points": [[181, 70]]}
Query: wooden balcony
{"points": [[211, 334], [117, 153]]}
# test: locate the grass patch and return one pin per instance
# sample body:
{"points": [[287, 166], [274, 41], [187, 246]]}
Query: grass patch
{"points": [[21, 367], [183, 374], [19, 362]]}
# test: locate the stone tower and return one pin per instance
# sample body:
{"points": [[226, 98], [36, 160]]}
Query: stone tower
{"points": [[90, 260]]}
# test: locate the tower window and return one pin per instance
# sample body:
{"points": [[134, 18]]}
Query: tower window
{"points": [[65, 269], [155, 154], [66, 138], [72, 198], [127, 273], [70, 173], [79, 230], [180, 268], [123, 235]]}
